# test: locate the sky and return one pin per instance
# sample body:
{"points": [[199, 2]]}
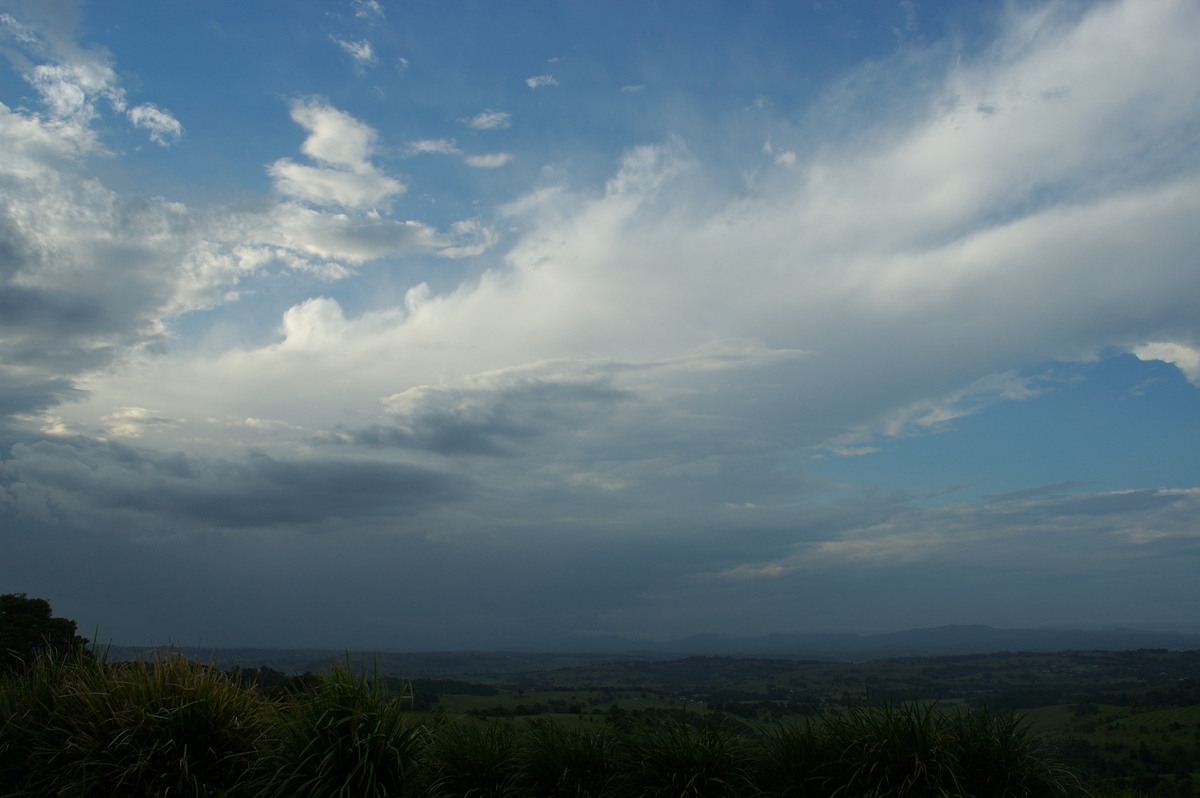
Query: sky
{"points": [[475, 325]]}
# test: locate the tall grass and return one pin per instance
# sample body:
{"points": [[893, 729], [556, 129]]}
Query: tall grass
{"points": [[786, 759], [343, 735], [917, 749], [470, 758], [561, 762], [680, 758], [167, 726], [997, 755]]}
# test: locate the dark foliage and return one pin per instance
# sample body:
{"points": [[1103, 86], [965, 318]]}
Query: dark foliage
{"points": [[28, 628]]}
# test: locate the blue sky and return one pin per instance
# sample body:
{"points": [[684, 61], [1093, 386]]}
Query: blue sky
{"points": [[473, 325]]}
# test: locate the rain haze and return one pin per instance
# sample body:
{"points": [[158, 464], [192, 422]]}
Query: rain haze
{"points": [[478, 325]]}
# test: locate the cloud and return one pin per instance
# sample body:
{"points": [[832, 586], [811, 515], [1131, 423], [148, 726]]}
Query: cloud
{"points": [[369, 9], [434, 146], [361, 51], [541, 81], [342, 147], [1053, 531], [111, 488], [1186, 358], [491, 161], [323, 186], [488, 120], [164, 128], [342, 236], [132, 422], [334, 137], [70, 79], [84, 272], [638, 382]]}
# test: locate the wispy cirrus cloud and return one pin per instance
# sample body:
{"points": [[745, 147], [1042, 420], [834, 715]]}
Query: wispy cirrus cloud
{"points": [[360, 50], [369, 10]]}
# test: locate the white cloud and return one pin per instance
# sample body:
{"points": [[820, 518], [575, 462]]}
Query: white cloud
{"points": [[369, 9], [432, 146], [540, 81], [912, 266], [491, 161], [361, 51], [343, 146], [323, 186], [343, 236], [134, 422], [334, 137], [468, 238], [164, 128], [488, 120], [1183, 356]]}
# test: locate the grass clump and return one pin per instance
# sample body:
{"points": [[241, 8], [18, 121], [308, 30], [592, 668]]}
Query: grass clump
{"points": [[680, 757], [916, 749], [469, 758], [342, 734], [786, 760], [562, 762], [166, 726]]}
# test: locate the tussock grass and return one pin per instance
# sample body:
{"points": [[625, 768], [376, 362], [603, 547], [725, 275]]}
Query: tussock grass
{"points": [[786, 759], [677, 757], [469, 758], [166, 726], [559, 762], [343, 735]]}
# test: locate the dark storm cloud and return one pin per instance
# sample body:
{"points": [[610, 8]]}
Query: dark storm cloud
{"points": [[91, 483]]}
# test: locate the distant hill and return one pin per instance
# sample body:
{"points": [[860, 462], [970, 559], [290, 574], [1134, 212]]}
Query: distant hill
{"points": [[935, 641], [833, 647]]}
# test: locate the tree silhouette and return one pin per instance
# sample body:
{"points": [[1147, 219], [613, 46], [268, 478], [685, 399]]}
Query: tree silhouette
{"points": [[28, 628]]}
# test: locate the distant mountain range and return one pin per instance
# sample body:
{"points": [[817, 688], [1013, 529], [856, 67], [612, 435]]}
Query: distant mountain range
{"points": [[837, 647], [935, 641]]}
